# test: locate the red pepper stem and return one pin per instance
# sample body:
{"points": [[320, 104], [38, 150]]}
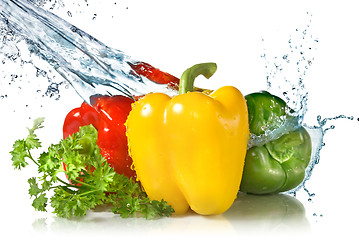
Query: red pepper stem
{"points": [[188, 76]]}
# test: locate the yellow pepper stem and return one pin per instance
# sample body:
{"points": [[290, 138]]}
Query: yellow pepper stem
{"points": [[188, 76]]}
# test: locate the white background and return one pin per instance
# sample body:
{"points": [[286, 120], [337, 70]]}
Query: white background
{"points": [[173, 35]]}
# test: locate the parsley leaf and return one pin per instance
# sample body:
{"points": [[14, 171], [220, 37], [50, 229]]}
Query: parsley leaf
{"points": [[34, 189], [90, 179], [32, 141], [19, 154], [40, 202], [21, 148]]}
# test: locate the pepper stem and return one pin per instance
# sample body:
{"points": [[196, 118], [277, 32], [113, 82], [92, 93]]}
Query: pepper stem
{"points": [[188, 76]]}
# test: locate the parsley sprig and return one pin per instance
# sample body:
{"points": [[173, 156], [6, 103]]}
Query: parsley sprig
{"points": [[90, 179]]}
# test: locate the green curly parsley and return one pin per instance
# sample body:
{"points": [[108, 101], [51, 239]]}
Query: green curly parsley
{"points": [[91, 180]]}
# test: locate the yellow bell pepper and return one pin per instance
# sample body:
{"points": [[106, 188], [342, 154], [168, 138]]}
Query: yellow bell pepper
{"points": [[189, 150]]}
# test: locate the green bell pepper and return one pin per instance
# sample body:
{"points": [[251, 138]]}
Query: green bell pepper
{"points": [[279, 164]]}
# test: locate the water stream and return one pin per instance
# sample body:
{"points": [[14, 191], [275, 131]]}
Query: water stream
{"points": [[86, 63]]}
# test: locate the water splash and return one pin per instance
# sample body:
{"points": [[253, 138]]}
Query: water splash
{"points": [[286, 76], [291, 124], [317, 133], [286, 72], [88, 65], [19, 65]]}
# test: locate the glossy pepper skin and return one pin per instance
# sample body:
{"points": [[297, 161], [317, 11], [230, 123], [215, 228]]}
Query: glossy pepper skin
{"points": [[108, 115], [189, 150], [278, 165]]}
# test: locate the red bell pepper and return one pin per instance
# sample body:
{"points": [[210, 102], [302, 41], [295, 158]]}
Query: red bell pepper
{"points": [[108, 115]]}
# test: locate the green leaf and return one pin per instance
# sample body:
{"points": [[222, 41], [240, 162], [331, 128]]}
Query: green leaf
{"points": [[19, 153], [131, 201], [91, 179], [48, 162], [68, 204], [37, 124], [46, 185], [34, 189], [32, 141], [103, 176], [40, 202], [163, 208], [148, 211]]}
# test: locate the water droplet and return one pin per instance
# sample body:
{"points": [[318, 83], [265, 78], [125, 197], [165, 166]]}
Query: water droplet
{"points": [[40, 72]]}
